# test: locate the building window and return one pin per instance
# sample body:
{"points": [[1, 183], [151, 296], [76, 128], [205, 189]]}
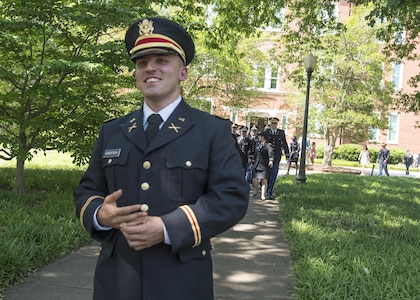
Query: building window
{"points": [[374, 135], [393, 122], [259, 80], [399, 37], [279, 20], [274, 78], [267, 77], [397, 75]]}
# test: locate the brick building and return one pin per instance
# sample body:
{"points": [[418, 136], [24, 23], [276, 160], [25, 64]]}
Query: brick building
{"points": [[278, 99]]}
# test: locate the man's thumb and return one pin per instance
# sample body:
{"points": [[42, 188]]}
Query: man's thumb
{"points": [[114, 196]]}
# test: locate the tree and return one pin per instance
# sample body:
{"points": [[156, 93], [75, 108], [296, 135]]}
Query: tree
{"points": [[59, 69], [401, 33], [353, 93], [348, 93], [64, 69]]}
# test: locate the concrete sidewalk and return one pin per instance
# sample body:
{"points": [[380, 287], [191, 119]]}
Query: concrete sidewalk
{"points": [[251, 261]]}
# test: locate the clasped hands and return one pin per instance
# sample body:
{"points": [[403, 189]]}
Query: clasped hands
{"points": [[139, 229]]}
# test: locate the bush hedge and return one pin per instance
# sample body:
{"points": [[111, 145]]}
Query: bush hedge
{"points": [[350, 152]]}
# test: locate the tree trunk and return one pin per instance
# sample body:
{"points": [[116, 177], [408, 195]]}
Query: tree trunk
{"points": [[20, 176], [330, 138], [328, 152]]}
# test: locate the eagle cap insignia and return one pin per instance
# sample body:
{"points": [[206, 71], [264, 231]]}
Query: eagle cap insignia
{"points": [[146, 27]]}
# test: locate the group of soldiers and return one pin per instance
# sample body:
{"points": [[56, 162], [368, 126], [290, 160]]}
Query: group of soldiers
{"points": [[247, 145]]}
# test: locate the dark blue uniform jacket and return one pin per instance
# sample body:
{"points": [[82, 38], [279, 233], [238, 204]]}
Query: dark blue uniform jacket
{"points": [[190, 175]]}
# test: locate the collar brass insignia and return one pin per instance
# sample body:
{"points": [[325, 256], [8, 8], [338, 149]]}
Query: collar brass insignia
{"points": [[134, 126], [176, 128]]}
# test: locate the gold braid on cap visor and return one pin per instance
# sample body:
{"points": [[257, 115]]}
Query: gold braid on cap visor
{"points": [[157, 41]]}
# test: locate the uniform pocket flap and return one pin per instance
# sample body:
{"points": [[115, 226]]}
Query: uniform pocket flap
{"points": [[191, 159]]}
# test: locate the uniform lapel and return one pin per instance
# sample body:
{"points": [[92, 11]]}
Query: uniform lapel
{"points": [[134, 131], [178, 123]]}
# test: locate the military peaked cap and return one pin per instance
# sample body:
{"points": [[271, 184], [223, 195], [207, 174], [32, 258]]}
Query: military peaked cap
{"points": [[158, 36]]}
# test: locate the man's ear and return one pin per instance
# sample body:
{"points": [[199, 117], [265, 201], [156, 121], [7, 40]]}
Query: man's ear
{"points": [[183, 74]]}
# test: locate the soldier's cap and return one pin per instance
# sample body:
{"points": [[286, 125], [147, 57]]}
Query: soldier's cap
{"points": [[244, 128], [158, 36], [254, 128], [234, 125], [265, 134], [273, 120]]}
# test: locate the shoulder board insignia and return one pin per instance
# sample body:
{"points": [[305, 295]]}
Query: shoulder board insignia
{"points": [[110, 119]]}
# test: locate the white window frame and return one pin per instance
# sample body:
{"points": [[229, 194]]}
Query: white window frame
{"points": [[395, 128], [397, 76], [376, 132]]}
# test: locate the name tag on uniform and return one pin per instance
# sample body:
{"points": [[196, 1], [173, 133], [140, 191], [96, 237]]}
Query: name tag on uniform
{"points": [[110, 153]]}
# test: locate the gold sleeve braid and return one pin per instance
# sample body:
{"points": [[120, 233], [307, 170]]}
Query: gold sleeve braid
{"points": [[88, 201], [195, 227]]}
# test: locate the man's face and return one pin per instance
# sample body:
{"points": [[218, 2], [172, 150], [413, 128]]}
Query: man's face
{"points": [[273, 125], [158, 76]]}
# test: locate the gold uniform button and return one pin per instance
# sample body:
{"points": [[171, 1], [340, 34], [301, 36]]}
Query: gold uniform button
{"points": [[188, 163], [147, 165], [109, 161], [204, 252], [145, 186]]}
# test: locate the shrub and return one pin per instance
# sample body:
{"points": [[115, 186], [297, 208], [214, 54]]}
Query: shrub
{"points": [[320, 151], [397, 156], [348, 152]]}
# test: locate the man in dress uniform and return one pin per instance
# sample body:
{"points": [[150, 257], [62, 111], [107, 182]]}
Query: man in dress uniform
{"points": [[278, 140], [244, 141], [161, 182], [250, 150]]}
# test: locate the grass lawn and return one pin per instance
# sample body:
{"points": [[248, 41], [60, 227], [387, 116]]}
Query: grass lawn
{"points": [[353, 237], [40, 226]]}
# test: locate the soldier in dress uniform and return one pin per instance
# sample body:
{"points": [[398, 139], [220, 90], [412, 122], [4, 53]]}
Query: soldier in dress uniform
{"points": [[243, 141], [278, 139], [158, 188], [264, 158], [250, 150]]}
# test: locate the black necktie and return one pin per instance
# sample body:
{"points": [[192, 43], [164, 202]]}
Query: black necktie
{"points": [[153, 121]]}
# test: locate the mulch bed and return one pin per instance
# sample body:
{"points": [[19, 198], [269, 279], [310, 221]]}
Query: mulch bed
{"points": [[320, 169]]}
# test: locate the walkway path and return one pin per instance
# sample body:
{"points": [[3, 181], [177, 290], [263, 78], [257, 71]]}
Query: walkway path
{"points": [[251, 261]]}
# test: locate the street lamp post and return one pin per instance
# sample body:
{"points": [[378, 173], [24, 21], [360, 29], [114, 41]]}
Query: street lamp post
{"points": [[309, 62]]}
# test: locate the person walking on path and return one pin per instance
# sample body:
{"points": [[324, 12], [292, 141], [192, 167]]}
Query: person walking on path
{"points": [[408, 161], [383, 160], [312, 153], [264, 159], [158, 186], [418, 162], [294, 154], [364, 158], [277, 138]]}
